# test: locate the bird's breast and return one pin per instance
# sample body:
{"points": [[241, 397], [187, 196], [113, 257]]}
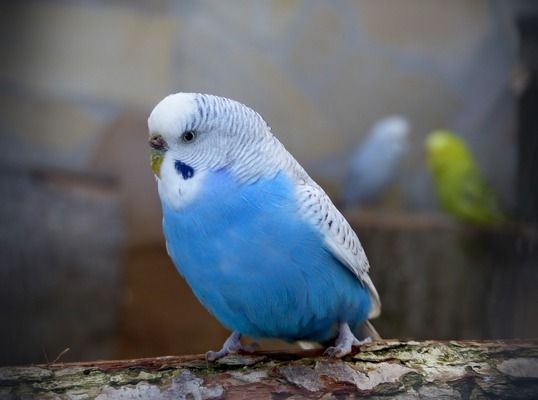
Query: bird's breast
{"points": [[226, 216], [251, 259]]}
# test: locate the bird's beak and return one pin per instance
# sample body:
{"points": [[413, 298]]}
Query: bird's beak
{"points": [[158, 148]]}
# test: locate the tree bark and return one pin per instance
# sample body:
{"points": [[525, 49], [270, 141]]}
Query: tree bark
{"points": [[387, 368]]}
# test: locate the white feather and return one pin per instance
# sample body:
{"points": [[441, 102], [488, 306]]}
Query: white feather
{"points": [[171, 115], [173, 189], [317, 208]]}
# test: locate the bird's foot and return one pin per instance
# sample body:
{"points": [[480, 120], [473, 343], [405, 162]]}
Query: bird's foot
{"points": [[231, 345], [344, 342]]}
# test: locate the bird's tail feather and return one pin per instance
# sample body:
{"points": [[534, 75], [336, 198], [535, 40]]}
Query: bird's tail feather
{"points": [[309, 345]]}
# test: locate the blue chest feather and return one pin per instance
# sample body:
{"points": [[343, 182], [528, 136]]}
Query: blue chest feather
{"points": [[257, 266]]}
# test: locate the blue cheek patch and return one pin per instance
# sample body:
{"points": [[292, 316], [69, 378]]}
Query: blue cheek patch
{"points": [[185, 170]]}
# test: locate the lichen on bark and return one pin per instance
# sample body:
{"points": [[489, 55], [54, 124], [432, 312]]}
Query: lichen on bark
{"points": [[429, 369]]}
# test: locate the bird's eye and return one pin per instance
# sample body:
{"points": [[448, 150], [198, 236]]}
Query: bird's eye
{"points": [[188, 137]]}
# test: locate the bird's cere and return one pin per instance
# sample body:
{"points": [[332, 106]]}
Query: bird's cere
{"points": [[156, 142], [158, 148]]}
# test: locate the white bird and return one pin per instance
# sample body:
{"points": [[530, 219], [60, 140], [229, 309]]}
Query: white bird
{"points": [[374, 165]]}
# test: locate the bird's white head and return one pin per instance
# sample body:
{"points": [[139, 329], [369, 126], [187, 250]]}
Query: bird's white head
{"points": [[191, 134], [392, 128]]}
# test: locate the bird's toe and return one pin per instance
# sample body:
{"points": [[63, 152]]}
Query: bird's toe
{"points": [[215, 355], [358, 342], [337, 351], [249, 348]]}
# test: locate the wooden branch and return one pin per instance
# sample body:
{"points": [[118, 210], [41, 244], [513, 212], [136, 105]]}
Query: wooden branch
{"points": [[429, 369]]}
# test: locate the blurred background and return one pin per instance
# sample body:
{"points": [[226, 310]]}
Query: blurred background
{"points": [[82, 258]]}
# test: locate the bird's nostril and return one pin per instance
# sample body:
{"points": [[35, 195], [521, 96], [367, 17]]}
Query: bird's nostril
{"points": [[157, 142]]}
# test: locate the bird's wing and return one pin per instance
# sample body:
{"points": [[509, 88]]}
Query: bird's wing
{"points": [[340, 239], [478, 198]]}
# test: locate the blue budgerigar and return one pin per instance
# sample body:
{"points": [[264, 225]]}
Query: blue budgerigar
{"points": [[259, 242], [375, 163]]}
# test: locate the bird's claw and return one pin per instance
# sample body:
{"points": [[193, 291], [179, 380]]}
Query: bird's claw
{"points": [[361, 342], [337, 351], [230, 346], [214, 355], [343, 349], [344, 343]]}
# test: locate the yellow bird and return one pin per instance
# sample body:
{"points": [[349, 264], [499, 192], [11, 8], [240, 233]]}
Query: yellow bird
{"points": [[461, 189]]}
